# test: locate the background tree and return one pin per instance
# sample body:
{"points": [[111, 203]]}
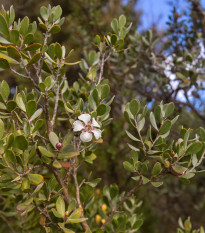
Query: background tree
{"points": [[141, 71]]}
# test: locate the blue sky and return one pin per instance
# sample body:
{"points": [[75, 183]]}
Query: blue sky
{"points": [[157, 11]]}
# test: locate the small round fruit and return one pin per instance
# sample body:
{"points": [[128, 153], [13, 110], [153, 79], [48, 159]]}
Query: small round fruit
{"points": [[67, 213], [103, 221], [167, 164], [98, 219], [97, 191], [104, 207], [59, 145]]}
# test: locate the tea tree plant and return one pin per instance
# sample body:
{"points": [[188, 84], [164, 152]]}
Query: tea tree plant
{"points": [[44, 182]]}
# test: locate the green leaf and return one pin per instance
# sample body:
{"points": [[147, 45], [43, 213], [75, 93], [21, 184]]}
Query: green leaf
{"points": [[14, 36], [36, 178], [105, 90], [55, 29], [67, 139], [36, 57], [21, 142], [178, 170], [2, 106], [4, 41], [11, 105], [115, 26], [76, 214], [5, 89], [9, 59], [128, 166], [53, 139], [60, 206], [133, 147], [12, 15], [113, 39], [165, 127], [36, 114], [66, 149], [42, 25], [71, 206], [122, 21], [137, 224], [156, 169], [33, 47], [26, 127], [94, 183], [65, 229], [58, 12], [68, 155], [145, 180], [75, 220], [140, 124], [201, 133], [24, 26], [101, 109], [25, 184], [37, 125], [194, 148], [58, 50], [1, 129], [131, 136], [13, 52], [93, 99], [56, 164], [186, 137], [43, 12], [56, 213], [31, 107], [180, 76], [169, 109], [45, 152], [4, 64], [153, 121], [28, 39], [4, 29], [157, 184], [134, 107]]}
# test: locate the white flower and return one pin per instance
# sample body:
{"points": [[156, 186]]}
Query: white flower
{"points": [[87, 127]]}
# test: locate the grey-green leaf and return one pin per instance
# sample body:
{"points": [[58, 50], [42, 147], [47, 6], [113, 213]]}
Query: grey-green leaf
{"points": [[60, 206], [165, 127], [153, 121], [194, 148], [36, 114], [53, 139]]}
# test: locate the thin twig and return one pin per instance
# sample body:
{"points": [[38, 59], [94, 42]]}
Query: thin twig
{"points": [[129, 194], [101, 68], [8, 223], [84, 223], [56, 105]]}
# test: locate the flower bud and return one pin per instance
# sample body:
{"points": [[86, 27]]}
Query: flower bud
{"points": [[59, 145], [67, 213]]}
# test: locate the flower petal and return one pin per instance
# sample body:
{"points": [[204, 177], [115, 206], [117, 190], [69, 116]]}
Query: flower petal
{"points": [[94, 123], [86, 136], [97, 133], [77, 126], [85, 118]]}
